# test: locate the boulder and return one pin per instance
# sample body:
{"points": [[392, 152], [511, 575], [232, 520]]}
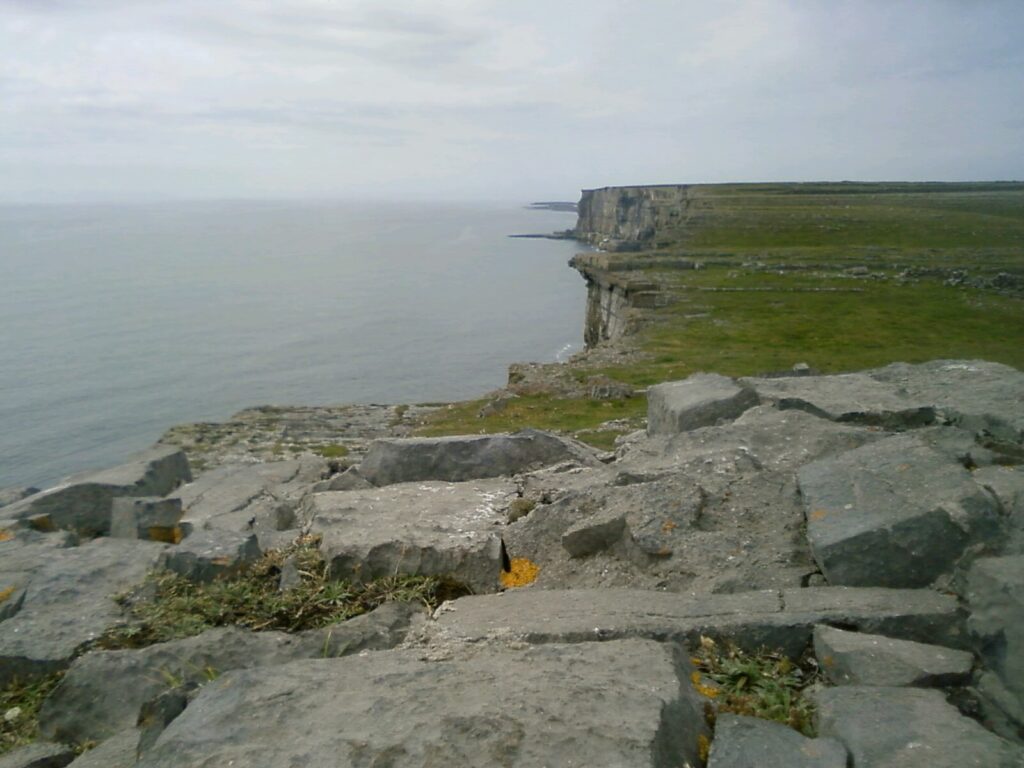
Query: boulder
{"points": [[12, 494], [895, 514], [349, 480], [82, 503], [752, 619], [146, 518], [855, 658], [467, 457], [104, 691], [908, 728], [69, 602], [626, 703], [995, 596], [850, 397], [415, 528], [744, 742], [594, 534], [1007, 483], [38, 755], [701, 400], [208, 555]]}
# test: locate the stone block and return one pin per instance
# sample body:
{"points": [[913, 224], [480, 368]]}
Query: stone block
{"points": [[208, 555], [146, 518], [701, 400], [746, 742]]}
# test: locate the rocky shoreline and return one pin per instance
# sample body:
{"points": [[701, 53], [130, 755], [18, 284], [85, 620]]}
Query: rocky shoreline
{"points": [[874, 521]]}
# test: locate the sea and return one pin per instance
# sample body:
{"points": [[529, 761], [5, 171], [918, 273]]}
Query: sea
{"points": [[120, 321]]}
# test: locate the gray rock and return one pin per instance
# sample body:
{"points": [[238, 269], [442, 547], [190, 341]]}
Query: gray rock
{"points": [[594, 534], [908, 727], [11, 495], [146, 518], [753, 619], [208, 555], [119, 751], [745, 742], [467, 457], [103, 691], [624, 703], [1007, 483], [349, 480], [82, 503], [975, 394], [38, 755], [69, 602], [253, 497], [854, 658], [850, 397], [896, 514], [995, 596], [701, 400], [416, 528]]}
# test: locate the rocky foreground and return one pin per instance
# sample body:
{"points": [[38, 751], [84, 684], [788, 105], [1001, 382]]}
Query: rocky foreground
{"points": [[875, 520]]}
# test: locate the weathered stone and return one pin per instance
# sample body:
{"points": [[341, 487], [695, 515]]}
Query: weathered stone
{"points": [[38, 755], [119, 751], [701, 400], [146, 518], [415, 528], [850, 397], [349, 480], [995, 596], [1007, 483], [252, 497], [745, 742], [853, 658], [594, 534], [467, 457], [208, 555], [908, 727], [69, 602], [11, 495], [622, 703], [82, 503], [103, 691], [896, 513], [980, 396], [752, 619]]}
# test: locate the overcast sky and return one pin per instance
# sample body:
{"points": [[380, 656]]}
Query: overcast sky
{"points": [[515, 100]]}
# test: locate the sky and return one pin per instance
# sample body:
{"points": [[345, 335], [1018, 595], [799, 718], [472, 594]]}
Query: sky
{"points": [[121, 100]]}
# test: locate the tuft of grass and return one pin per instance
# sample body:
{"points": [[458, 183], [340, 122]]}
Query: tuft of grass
{"points": [[19, 710], [330, 450], [169, 607], [764, 684]]}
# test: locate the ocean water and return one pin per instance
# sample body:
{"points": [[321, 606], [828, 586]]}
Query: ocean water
{"points": [[117, 322]]}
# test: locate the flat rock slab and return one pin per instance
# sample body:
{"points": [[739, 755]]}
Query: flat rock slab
{"points": [[38, 755], [909, 728], [82, 503], [119, 751], [850, 397], [976, 394], [701, 400], [103, 691], [776, 619], [467, 457], [855, 658], [208, 555], [415, 528], [745, 742], [896, 513], [618, 704], [68, 603]]}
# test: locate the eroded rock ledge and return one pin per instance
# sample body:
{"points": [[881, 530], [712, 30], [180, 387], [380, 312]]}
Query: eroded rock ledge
{"points": [[875, 520]]}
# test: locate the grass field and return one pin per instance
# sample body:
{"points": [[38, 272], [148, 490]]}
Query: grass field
{"points": [[779, 286]]}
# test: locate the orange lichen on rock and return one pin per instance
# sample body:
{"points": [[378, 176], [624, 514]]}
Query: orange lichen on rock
{"points": [[698, 684], [523, 572], [5, 594], [6, 534], [165, 534], [703, 747]]}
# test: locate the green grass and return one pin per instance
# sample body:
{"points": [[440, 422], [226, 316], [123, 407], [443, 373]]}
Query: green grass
{"points": [[19, 710], [330, 450], [765, 684], [171, 607]]}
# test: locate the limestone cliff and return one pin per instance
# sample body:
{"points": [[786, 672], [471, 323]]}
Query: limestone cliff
{"points": [[611, 297], [628, 218]]}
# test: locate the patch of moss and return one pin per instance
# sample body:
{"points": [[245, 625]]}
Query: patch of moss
{"points": [[169, 607], [330, 450], [19, 710]]}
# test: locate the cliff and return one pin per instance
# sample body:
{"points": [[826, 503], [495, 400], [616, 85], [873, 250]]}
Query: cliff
{"points": [[628, 218]]}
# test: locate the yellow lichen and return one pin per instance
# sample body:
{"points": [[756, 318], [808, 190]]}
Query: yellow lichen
{"points": [[523, 572], [6, 534], [166, 534], [5, 594], [703, 747]]}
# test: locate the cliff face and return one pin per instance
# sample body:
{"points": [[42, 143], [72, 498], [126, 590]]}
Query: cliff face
{"points": [[611, 297], [628, 218]]}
